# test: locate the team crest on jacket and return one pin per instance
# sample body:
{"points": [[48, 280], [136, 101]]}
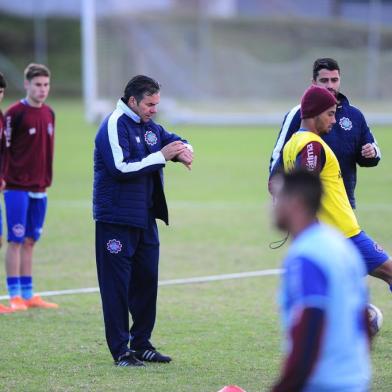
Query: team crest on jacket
{"points": [[114, 246], [150, 138], [50, 129], [345, 123], [378, 248]]}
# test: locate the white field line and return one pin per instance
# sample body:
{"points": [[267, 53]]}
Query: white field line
{"points": [[169, 282]]}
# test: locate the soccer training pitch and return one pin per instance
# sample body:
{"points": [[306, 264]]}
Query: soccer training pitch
{"points": [[218, 333]]}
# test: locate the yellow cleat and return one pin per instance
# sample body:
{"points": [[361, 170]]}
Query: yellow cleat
{"points": [[5, 309], [17, 303], [37, 302]]}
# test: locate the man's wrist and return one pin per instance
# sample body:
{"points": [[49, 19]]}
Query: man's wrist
{"points": [[376, 150], [189, 147]]}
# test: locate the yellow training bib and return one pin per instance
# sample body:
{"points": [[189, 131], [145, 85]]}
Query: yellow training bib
{"points": [[335, 206]]}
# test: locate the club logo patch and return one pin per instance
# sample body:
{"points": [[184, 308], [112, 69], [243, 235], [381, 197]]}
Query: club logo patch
{"points": [[378, 248], [345, 123], [114, 246], [18, 230], [150, 138], [32, 131], [50, 129]]}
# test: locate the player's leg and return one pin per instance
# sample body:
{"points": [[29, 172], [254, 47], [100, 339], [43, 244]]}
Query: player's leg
{"points": [[378, 262], [35, 220], [143, 292], [1, 228], [384, 272], [114, 246], [16, 205], [26, 258], [143, 289], [3, 309]]}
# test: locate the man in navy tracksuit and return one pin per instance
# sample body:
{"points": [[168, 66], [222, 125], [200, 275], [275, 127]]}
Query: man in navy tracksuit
{"points": [[130, 153], [350, 139]]}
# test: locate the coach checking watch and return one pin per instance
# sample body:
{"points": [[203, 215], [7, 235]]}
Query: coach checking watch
{"points": [[130, 152]]}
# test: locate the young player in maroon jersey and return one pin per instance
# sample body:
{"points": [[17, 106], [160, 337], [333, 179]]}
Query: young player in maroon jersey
{"points": [[3, 85], [28, 159]]}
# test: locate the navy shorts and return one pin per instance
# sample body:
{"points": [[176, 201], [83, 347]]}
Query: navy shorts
{"points": [[25, 214], [373, 254]]}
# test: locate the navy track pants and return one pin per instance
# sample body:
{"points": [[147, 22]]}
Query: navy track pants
{"points": [[127, 266]]}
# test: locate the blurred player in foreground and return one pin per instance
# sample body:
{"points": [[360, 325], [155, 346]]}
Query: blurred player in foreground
{"points": [[323, 297], [350, 138], [3, 85], [130, 152], [306, 149], [29, 161]]}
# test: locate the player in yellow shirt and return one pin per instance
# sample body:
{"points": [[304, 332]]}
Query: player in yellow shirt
{"points": [[306, 149]]}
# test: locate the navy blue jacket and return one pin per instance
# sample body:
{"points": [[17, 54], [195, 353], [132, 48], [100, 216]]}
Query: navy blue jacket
{"points": [[128, 175], [346, 139]]}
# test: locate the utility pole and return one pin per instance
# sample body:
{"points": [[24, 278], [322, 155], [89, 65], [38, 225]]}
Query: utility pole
{"points": [[40, 38], [374, 48], [89, 58]]}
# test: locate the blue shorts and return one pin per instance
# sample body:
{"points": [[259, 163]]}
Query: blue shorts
{"points": [[25, 214], [373, 254]]}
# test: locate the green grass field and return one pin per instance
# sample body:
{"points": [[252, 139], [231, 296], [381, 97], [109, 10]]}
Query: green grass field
{"points": [[218, 333]]}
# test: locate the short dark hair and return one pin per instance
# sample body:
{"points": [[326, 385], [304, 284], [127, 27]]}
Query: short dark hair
{"points": [[324, 63], [3, 82], [307, 185], [33, 70], [139, 86]]}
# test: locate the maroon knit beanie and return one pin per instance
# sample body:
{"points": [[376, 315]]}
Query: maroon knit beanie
{"points": [[316, 100]]}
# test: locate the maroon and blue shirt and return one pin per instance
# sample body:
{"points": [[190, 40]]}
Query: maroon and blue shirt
{"points": [[29, 147]]}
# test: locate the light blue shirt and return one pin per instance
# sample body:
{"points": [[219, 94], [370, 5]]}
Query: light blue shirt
{"points": [[324, 270]]}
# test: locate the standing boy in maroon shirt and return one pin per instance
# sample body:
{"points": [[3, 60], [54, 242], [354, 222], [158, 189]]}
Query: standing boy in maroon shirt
{"points": [[28, 161], [3, 84]]}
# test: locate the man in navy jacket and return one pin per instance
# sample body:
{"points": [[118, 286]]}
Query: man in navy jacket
{"points": [[350, 139], [130, 152]]}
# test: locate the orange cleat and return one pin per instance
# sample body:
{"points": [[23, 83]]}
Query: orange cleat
{"points": [[5, 309], [37, 302], [17, 303]]}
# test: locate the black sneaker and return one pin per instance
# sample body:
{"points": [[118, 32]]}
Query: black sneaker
{"points": [[128, 359], [151, 355]]}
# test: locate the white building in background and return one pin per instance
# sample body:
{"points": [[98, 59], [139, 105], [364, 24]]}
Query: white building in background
{"points": [[72, 8], [344, 9]]}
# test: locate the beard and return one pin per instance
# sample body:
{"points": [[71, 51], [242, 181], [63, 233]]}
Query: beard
{"points": [[321, 127], [334, 92]]}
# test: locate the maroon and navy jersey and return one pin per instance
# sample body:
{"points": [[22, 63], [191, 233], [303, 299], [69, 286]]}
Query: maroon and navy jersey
{"points": [[2, 144], [29, 147]]}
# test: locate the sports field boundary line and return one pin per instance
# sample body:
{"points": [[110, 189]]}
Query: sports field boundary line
{"points": [[169, 282]]}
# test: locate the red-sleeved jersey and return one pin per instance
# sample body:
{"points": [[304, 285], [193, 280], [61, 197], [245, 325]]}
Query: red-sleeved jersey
{"points": [[29, 147]]}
